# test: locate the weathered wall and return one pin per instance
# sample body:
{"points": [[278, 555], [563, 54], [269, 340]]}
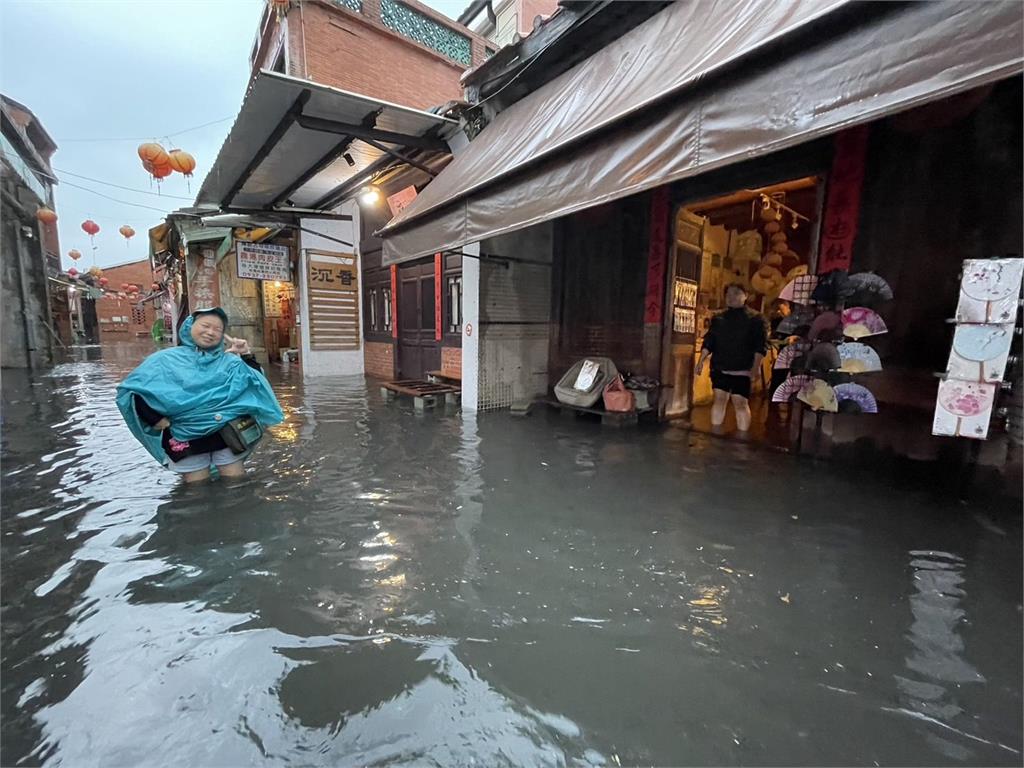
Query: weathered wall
{"points": [[241, 299], [22, 274], [379, 358]]}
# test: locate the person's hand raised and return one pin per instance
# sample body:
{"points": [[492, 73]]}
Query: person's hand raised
{"points": [[237, 346]]}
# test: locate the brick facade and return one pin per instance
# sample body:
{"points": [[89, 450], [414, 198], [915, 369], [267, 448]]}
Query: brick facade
{"points": [[451, 361], [379, 359], [138, 319], [355, 52]]}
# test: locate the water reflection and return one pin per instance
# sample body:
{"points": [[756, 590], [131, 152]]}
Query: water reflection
{"points": [[390, 588]]}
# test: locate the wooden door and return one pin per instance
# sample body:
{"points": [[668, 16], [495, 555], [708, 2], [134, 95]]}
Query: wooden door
{"points": [[419, 350]]}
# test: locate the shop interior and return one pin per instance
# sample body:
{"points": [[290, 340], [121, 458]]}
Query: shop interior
{"points": [[761, 238]]}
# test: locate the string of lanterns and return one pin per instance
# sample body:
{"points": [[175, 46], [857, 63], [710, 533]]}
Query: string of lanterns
{"points": [[159, 163]]}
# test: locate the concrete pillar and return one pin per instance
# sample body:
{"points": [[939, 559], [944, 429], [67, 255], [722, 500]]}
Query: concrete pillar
{"points": [[470, 327]]}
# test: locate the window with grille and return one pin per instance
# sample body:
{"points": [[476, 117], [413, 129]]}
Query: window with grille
{"points": [[138, 315], [423, 29], [454, 304], [352, 5]]}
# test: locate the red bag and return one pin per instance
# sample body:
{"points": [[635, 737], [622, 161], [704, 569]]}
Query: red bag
{"points": [[617, 398]]}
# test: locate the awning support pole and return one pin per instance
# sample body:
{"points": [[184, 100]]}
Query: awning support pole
{"points": [[294, 112], [362, 132], [400, 156]]}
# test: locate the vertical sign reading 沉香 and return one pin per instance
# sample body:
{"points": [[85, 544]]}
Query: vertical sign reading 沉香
{"points": [[842, 204], [333, 301], [656, 253]]}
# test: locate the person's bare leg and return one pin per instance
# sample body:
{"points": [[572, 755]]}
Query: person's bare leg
{"points": [[718, 407], [743, 417], [196, 477], [236, 469]]}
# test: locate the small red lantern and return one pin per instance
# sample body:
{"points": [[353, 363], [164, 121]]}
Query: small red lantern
{"points": [[127, 233], [133, 288], [103, 282], [125, 286], [72, 273], [156, 286], [90, 227], [74, 254], [46, 216]]}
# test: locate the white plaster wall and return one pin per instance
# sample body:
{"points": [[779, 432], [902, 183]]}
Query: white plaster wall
{"points": [[328, 362], [470, 328]]}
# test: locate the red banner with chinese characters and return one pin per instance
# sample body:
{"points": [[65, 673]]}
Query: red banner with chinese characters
{"points": [[842, 205], [394, 301], [438, 314], [657, 253]]}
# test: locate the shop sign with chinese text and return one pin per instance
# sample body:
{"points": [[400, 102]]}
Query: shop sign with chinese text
{"points": [[257, 261]]}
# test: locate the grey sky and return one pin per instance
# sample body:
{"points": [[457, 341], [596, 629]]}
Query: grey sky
{"points": [[94, 71]]}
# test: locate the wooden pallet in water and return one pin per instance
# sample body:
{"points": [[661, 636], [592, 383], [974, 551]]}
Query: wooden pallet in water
{"points": [[424, 394], [608, 418]]}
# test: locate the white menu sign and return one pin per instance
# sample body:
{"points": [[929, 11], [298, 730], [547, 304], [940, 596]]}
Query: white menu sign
{"points": [[257, 261]]}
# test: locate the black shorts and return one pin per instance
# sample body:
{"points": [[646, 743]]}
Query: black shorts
{"points": [[734, 385]]}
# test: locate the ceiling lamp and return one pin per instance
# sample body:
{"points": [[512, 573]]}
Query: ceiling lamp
{"points": [[370, 195]]}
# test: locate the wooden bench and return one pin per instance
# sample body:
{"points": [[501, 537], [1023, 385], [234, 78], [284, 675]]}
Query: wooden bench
{"points": [[424, 394], [444, 377]]}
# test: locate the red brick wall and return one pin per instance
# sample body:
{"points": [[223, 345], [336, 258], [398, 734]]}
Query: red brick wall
{"points": [[531, 9], [379, 359], [356, 53], [451, 360], [107, 308]]}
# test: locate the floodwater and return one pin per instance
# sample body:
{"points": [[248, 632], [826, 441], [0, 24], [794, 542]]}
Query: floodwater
{"points": [[387, 588]]}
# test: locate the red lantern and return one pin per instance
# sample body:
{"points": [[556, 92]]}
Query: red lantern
{"points": [[46, 216], [133, 288], [125, 286], [90, 227], [127, 232], [181, 161], [74, 255], [156, 286], [95, 271], [103, 282], [161, 171], [152, 153], [72, 273]]}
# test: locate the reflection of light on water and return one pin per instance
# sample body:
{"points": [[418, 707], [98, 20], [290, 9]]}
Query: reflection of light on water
{"points": [[370, 496], [382, 539], [398, 580], [379, 562], [707, 615]]}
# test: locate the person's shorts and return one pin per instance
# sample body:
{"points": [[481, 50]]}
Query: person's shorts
{"points": [[201, 461], [734, 385]]}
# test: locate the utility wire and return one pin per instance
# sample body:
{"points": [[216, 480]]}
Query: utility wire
{"points": [[147, 138], [127, 189], [114, 199]]}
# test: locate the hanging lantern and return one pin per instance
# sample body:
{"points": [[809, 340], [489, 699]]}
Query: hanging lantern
{"points": [[90, 227], [74, 254], [127, 232], [72, 273], [156, 286], [182, 162], [103, 282], [152, 153], [95, 271], [125, 286], [46, 216], [133, 288]]}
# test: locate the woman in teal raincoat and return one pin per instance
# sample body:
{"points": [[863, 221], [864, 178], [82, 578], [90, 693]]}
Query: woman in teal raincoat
{"points": [[200, 405]]}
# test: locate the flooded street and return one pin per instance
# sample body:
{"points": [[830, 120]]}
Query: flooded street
{"points": [[391, 588]]}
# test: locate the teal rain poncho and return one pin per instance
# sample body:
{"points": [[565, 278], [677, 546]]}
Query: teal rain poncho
{"points": [[192, 387]]}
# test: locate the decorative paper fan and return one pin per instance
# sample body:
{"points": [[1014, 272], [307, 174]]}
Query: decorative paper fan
{"points": [[965, 398], [832, 288], [991, 279], [790, 388], [858, 358], [868, 289], [824, 325], [859, 322], [819, 396], [856, 394], [791, 326], [788, 354], [982, 342], [799, 289], [823, 357]]}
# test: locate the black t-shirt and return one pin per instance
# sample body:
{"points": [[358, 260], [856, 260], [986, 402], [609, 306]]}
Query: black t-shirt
{"points": [[735, 336]]}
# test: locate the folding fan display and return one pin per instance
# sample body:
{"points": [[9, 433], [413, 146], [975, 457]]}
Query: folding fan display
{"points": [[868, 289], [827, 324], [819, 396], [799, 289], [790, 388], [860, 322], [789, 353], [858, 358], [854, 398], [823, 357], [791, 326]]}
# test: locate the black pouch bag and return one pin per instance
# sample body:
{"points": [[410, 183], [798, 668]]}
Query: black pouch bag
{"points": [[241, 434]]}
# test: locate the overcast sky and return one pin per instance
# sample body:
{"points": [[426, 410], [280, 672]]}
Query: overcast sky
{"points": [[103, 76]]}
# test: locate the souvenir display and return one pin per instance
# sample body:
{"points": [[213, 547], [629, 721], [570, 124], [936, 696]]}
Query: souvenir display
{"points": [[861, 322], [790, 388], [819, 396], [963, 409], [858, 358], [980, 352], [989, 290], [855, 395]]}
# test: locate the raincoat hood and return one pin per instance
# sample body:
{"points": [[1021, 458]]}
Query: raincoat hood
{"points": [[198, 390]]}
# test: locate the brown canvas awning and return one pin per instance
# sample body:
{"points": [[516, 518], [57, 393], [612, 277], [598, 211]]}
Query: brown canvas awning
{"points": [[672, 98]]}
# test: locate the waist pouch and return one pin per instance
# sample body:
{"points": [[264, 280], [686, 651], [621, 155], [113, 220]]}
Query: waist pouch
{"points": [[241, 434]]}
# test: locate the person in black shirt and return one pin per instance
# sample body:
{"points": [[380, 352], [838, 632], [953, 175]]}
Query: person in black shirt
{"points": [[736, 343]]}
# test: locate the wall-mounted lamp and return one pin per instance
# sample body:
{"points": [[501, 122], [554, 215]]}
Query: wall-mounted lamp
{"points": [[349, 160], [370, 195]]}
